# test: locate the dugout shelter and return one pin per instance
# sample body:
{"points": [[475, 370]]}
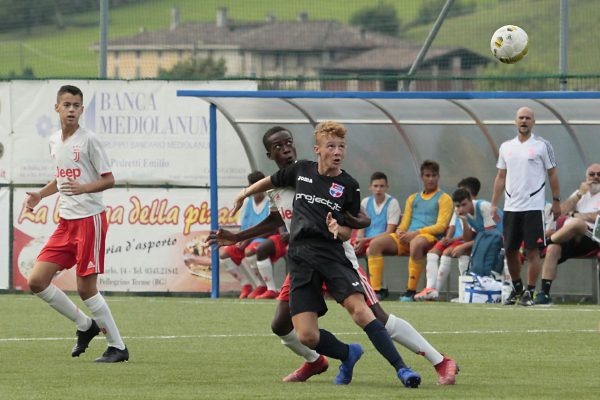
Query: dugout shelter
{"points": [[394, 132]]}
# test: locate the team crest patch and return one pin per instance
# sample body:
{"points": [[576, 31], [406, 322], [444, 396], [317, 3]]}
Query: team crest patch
{"points": [[336, 190], [76, 153]]}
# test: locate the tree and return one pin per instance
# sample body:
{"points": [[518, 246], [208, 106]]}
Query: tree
{"points": [[27, 73], [206, 68], [380, 18]]}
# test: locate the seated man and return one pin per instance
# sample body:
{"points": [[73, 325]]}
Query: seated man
{"points": [[451, 246], [440, 257], [573, 239], [384, 211], [267, 254], [243, 254], [425, 219], [477, 215]]}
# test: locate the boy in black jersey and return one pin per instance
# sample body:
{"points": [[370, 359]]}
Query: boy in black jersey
{"points": [[316, 254]]}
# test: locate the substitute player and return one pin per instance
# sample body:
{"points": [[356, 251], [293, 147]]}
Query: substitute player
{"points": [[279, 143], [82, 173], [240, 259]]}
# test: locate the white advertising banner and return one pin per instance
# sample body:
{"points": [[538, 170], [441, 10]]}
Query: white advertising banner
{"points": [[151, 136], [153, 242], [5, 131], [4, 236]]}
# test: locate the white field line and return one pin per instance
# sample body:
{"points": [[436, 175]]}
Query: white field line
{"points": [[388, 306], [254, 335]]}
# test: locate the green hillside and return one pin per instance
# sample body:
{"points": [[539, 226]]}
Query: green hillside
{"points": [[51, 52], [540, 19]]}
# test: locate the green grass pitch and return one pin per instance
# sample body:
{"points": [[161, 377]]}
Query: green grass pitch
{"points": [[191, 348]]}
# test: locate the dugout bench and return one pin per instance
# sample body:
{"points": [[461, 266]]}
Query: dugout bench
{"points": [[572, 281]]}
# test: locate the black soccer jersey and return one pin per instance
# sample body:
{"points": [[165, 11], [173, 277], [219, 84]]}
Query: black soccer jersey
{"points": [[316, 195]]}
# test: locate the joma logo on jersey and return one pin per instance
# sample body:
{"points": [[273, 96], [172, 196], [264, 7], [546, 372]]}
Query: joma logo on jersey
{"points": [[304, 179], [336, 190], [67, 173], [76, 153]]}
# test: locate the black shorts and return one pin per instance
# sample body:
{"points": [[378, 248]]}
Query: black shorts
{"points": [[524, 226], [312, 263], [577, 248]]}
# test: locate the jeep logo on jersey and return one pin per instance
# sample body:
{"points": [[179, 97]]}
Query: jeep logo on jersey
{"points": [[76, 153], [336, 190], [67, 173]]}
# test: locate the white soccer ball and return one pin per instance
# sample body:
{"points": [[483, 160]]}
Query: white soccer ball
{"points": [[509, 44]]}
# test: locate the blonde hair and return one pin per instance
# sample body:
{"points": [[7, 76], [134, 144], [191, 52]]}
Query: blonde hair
{"points": [[328, 129]]}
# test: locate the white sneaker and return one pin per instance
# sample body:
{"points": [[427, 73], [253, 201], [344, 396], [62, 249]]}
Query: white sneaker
{"points": [[427, 294]]}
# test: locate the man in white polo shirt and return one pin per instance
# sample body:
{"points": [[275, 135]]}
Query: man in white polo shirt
{"points": [[523, 163]]}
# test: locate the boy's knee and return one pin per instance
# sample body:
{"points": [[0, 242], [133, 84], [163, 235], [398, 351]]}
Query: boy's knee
{"points": [[362, 315], [263, 252], [36, 285], [309, 338], [281, 327]]}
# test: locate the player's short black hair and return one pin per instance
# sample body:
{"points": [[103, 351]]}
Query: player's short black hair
{"points": [[378, 175], [255, 176], [431, 166], [74, 90], [460, 194], [271, 132], [472, 184]]}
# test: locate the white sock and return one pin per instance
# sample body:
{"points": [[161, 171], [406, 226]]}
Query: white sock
{"points": [[58, 300], [235, 271], [265, 267], [463, 264], [445, 265], [432, 269], [248, 273], [506, 272], [404, 333], [291, 342], [105, 321], [251, 260]]}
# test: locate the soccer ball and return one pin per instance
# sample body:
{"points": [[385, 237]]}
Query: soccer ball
{"points": [[509, 44]]}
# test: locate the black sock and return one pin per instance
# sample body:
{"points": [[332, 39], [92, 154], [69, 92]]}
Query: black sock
{"points": [[531, 288], [518, 285], [546, 284], [380, 338], [331, 346]]}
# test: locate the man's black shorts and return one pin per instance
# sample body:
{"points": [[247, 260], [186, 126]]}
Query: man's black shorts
{"points": [[524, 226], [310, 264], [577, 248]]}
